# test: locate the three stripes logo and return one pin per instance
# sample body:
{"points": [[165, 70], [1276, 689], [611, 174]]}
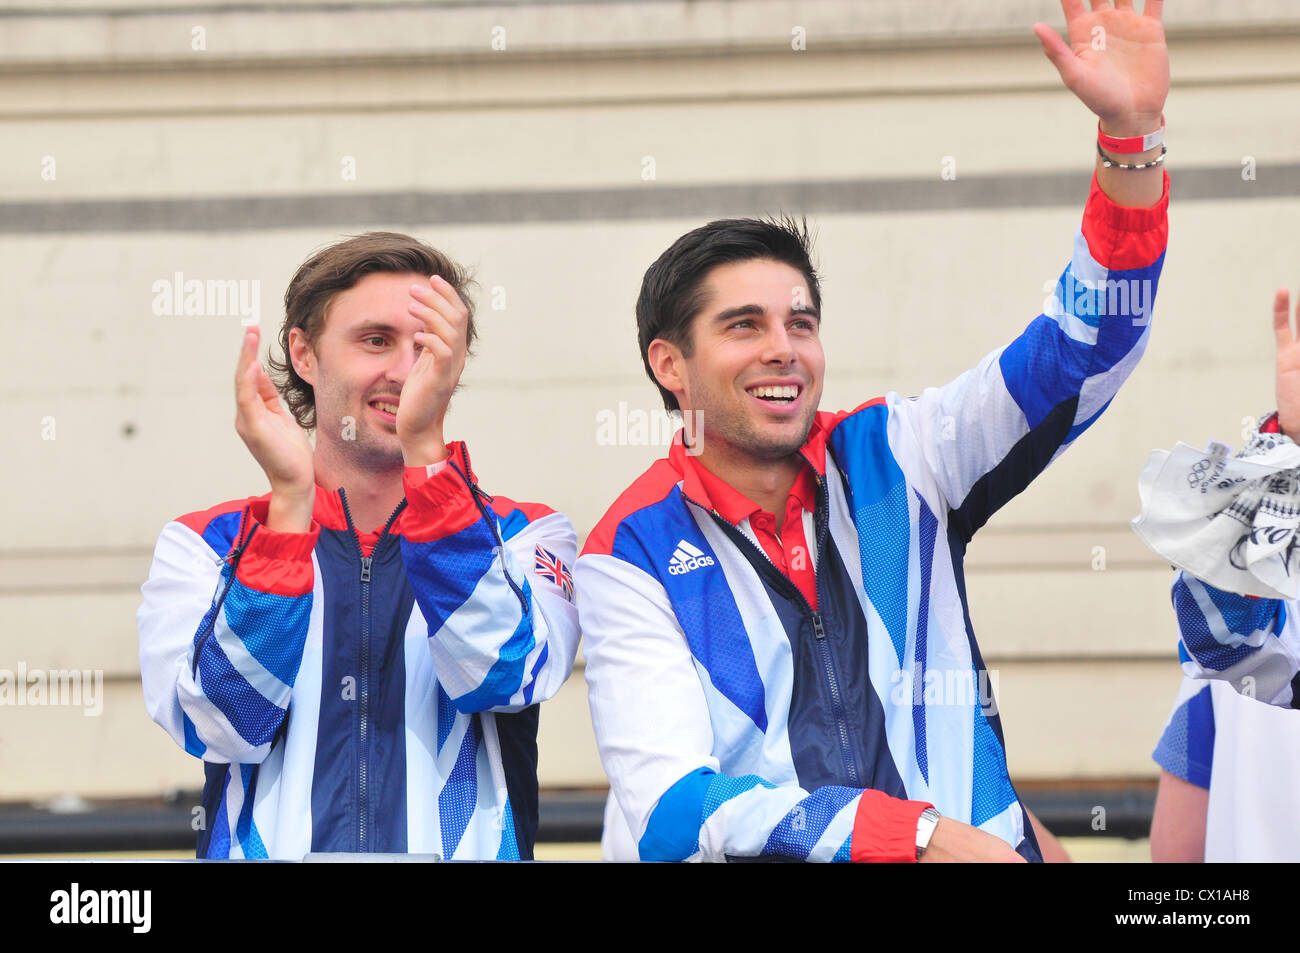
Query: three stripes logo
{"points": [[687, 557]]}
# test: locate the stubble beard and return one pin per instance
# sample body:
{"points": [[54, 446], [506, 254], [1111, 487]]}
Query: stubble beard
{"points": [[734, 428], [763, 448], [370, 449], [372, 453]]}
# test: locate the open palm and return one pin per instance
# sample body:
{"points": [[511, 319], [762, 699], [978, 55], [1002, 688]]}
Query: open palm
{"points": [[271, 434], [1116, 61]]}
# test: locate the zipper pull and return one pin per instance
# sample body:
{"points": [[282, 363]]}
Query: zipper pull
{"points": [[232, 558], [473, 485], [818, 629], [365, 568], [240, 542]]}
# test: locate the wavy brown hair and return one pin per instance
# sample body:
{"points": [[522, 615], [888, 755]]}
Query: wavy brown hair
{"points": [[337, 268]]}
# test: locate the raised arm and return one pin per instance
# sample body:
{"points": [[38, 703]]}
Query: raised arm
{"points": [[494, 587], [226, 607], [981, 439]]}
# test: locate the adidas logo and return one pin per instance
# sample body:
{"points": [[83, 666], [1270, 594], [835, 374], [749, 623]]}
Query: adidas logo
{"points": [[685, 558]]}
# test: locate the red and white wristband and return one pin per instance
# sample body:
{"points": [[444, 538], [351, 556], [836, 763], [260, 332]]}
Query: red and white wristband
{"points": [[1132, 144]]}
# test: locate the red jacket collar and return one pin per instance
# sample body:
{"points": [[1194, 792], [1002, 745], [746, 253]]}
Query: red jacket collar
{"points": [[328, 511]]}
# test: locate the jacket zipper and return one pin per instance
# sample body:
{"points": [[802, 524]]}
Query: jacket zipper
{"points": [[363, 798], [822, 523], [233, 557], [480, 500]]}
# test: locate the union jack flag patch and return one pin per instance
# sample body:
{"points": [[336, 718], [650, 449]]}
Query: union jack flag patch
{"points": [[548, 566]]}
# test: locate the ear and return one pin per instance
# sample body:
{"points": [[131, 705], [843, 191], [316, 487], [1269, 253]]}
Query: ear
{"points": [[302, 356], [668, 366]]}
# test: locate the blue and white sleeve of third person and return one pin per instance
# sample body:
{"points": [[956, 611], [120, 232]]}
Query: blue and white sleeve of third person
{"points": [[1252, 644], [494, 588], [981, 439], [1186, 746]]}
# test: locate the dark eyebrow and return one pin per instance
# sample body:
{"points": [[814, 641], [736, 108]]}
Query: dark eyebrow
{"points": [[370, 327], [744, 309], [756, 310]]}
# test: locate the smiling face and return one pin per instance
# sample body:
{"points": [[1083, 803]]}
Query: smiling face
{"points": [[358, 366], [754, 376]]}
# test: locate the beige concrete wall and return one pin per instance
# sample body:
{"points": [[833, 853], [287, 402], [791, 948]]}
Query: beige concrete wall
{"points": [[142, 406]]}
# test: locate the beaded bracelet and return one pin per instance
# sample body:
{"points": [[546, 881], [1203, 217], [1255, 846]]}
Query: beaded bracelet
{"points": [[1110, 163]]}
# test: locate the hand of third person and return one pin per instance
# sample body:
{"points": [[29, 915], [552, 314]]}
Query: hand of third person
{"points": [[1288, 365]]}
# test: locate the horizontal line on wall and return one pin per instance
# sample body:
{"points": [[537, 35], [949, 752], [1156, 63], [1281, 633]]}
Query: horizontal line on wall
{"points": [[648, 201], [265, 7], [72, 589], [988, 566]]}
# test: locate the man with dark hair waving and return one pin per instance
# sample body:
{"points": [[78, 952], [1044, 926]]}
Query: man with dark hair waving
{"points": [[357, 656], [762, 608]]}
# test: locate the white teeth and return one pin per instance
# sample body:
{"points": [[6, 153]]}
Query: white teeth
{"points": [[789, 392], [387, 408]]}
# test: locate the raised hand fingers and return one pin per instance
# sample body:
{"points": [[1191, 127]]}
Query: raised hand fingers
{"points": [[266, 391], [253, 386], [245, 381], [1154, 8], [247, 352], [436, 324], [1055, 49], [1282, 319], [443, 313], [449, 292], [440, 296], [434, 345]]}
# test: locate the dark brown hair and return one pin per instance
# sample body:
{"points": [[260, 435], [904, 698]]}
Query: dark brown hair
{"points": [[672, 291], [337, 268]]}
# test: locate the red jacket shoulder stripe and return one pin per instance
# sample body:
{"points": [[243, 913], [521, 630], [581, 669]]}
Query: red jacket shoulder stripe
{"points": [[199, 521], [648, 489], [503, 506]]}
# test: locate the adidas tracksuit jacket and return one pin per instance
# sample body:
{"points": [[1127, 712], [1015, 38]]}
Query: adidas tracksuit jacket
{"points": [[354, 699], [735, 722]]}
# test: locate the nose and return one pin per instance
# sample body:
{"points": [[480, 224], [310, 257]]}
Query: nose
{"points": [[401, 360], [778, 347]]}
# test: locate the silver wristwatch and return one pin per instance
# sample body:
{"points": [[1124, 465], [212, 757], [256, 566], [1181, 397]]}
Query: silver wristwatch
{"points": [[925, 826]]}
